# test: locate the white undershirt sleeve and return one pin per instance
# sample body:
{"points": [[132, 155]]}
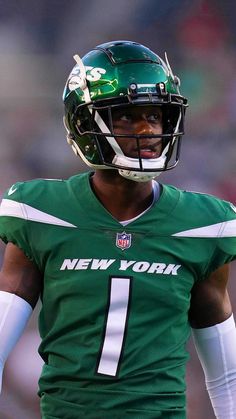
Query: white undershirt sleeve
{"points": [[216, 348], [14, 315]]}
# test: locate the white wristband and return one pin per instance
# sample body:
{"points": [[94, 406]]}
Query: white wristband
{"points": [[216, 348], [14, 314]]}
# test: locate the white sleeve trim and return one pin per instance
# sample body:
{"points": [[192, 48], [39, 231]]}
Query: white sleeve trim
{"points": [[16, 209], [224, 229]]}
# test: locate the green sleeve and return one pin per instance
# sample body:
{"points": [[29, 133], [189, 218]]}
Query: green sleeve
{"points": [[13, 225], [225, 251]]}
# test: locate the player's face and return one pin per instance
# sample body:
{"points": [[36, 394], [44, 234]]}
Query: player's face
{"points": [[139, 120]]}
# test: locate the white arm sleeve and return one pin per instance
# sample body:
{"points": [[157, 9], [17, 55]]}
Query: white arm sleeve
{"points": [[14, 314], [216, 348]]}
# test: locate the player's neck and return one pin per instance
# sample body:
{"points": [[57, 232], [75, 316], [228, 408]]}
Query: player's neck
{"points": [[124, 199]]}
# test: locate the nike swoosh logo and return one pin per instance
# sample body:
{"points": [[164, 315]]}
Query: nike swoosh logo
{"points": [[12, 190]]}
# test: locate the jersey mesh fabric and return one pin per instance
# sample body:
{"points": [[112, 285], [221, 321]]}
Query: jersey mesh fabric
{"points": [[86, 257]]}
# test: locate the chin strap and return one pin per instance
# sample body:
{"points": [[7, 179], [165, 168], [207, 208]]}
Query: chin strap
{"points": [[138, 176]]}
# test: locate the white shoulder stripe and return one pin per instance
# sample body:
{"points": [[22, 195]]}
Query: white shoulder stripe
{"points": [[12, 208], [225, 229]]}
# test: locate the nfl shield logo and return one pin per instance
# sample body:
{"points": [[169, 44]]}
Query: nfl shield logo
{"points": [[123, 240]]}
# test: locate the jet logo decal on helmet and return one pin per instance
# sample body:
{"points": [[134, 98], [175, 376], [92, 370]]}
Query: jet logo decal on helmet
{"points": [[92, 74]]}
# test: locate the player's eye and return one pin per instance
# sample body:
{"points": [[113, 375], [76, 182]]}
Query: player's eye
{"points": [[122, 118], [125, 117], [154, 117]]}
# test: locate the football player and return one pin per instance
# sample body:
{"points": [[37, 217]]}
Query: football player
{"points": [[125, 266]]}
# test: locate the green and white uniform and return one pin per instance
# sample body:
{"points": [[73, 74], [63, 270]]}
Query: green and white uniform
{"points": [[114, 319]]}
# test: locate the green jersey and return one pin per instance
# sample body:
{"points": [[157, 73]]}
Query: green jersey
{"points": [[115, 299]]}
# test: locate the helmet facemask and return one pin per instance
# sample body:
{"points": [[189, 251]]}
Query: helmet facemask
{"points": [[98, 125], [91, 130]]}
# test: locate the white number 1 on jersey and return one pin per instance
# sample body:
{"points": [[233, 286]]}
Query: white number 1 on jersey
{"points": [[116, 324]]}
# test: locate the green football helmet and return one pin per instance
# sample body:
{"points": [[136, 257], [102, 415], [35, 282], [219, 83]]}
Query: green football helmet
{"points": [[115, 75]]}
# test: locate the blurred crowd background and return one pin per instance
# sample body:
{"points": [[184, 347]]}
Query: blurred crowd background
{"points": [[37, 41]]}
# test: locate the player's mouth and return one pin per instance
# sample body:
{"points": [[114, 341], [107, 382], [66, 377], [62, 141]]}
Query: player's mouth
{"points": [[149, 151], [146, 153]]}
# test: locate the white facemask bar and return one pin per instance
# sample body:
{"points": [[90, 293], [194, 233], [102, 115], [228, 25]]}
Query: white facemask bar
{"points": [[104, 128]]}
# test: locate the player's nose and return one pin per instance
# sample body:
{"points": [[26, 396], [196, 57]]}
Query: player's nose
{"points": [[142, 126]]}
